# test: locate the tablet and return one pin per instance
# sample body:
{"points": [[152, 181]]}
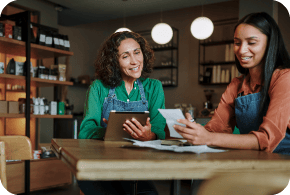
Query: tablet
{"points": [[114, 130]]}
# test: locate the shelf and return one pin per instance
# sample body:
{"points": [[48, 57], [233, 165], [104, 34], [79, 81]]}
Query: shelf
{"points": [[39, 82], [81, 85], [217, 43], [164, 67], [164, 48], [34, 116], [213, 83], [17, 48], [49, 83], [217, 63], [169, 85], [16, 91]]}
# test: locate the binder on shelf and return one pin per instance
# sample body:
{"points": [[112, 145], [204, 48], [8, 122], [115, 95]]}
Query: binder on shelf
{"points": [[227, 53], [233, 72], [237, 72], [214, 74], [218, 77], [231, 52], [223, 76], [227, 80]]}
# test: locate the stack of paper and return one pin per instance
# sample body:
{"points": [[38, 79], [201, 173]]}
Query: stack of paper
{"points": [[156, 144]]}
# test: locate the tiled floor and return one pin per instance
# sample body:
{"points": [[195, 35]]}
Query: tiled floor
{"points": [[163, 188]]}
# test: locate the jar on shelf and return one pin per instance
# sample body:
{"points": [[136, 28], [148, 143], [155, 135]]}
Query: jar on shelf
{"points": [[22, 103]]}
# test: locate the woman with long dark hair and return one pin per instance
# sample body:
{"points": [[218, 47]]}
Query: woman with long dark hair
{"points": [[258, 101]]}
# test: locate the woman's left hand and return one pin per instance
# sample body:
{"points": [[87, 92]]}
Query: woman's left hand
{"points": [[137, 131], [194, 133]]}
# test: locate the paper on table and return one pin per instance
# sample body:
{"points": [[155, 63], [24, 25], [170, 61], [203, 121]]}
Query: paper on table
{"points": [[156, 144], [171, 115]]}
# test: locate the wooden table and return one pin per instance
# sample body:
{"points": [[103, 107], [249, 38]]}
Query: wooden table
{"points": [[99, 160]]}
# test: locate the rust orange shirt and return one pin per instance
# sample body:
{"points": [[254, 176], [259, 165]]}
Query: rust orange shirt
{"points": [[277, 119]]}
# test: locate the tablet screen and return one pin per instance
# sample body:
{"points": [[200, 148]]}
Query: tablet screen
{"points": [[114, 130]]}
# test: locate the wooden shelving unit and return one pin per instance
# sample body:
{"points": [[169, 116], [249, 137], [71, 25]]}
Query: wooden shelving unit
{"points": [[34, 116], [44, 173], [37, 81], [166, 53], [214, 61], [17, 48]]}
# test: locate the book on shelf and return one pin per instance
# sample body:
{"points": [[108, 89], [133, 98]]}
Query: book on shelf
{"points": [[214, 74], [229, 53], [223, 75], [218, 74]]}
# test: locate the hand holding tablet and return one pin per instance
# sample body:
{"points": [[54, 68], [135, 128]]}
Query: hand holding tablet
{"points": [[115, 128]]}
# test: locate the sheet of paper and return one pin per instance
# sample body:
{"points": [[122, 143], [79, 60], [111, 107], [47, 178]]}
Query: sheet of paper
{"points": [[171, 115], [156, 144]]}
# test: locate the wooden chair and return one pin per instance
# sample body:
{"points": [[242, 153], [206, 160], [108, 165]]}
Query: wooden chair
{"points": [[13, 148], [247, 183]]}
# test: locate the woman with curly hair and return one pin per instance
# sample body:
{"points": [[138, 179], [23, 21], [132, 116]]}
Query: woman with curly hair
{"points": [[122, 64]]}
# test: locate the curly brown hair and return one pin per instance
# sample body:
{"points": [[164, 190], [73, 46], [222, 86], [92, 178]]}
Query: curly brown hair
{"points": [[107, 63]]}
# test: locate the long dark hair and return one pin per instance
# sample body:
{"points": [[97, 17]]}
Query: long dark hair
{"points": [[107, 63], [276, 54]]}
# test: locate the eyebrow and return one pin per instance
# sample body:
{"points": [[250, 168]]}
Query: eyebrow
{"points": [[252, 37], [126, 52]]}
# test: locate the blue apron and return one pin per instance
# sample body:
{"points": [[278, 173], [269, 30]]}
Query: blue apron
{"points": [[115, 187], [248, 119], [112, 103]]}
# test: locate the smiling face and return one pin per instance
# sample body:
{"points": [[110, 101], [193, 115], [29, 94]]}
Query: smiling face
{"points": [[250, 45], [130, 59]]}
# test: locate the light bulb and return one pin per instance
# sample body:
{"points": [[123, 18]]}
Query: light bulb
{"points": [[123, 29], [162, 33], [201, 28]]}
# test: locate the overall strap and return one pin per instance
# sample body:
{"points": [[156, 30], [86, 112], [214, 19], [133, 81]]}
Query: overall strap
{"points": [[112, 93], [141, 89]]}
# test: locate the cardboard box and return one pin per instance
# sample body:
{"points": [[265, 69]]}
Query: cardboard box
{"points": [[8, 32], [3, 107], [13, 107]]}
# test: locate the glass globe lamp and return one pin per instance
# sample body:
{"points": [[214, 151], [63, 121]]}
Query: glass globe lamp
{"points": [[162, 33], [201, 28], [122, 29]]}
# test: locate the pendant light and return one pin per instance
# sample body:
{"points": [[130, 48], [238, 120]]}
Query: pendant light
{"points": [[161, 33], [124, 27], [202, 27]]}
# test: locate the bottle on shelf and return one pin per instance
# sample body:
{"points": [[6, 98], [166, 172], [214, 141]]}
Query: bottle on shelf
{"points": [[48, 38], [55, 41], [192, 111], [41, 36]]}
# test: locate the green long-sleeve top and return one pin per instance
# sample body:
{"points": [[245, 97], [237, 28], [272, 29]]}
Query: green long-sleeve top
{"points": [[91, 125]]}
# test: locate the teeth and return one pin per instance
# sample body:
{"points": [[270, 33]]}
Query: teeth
{"points": [[246, 58], [135, 68]]}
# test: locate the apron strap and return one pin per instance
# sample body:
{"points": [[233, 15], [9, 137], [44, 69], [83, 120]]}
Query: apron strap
{"points": [[141, 89], [112, 93]]}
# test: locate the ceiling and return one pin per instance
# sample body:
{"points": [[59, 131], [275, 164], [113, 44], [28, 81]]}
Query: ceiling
{"points": [[76, 12]]}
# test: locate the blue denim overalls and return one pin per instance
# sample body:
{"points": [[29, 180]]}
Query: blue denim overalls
{"points": [[248, 119], [112, 103], [119, 187]]}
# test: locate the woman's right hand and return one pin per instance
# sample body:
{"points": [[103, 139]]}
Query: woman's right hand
{"points": [[193, 132]]}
